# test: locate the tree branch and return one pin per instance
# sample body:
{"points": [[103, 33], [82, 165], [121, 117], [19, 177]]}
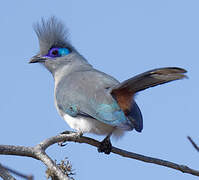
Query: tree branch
{"points": [[193, 143], [17, 150], [51, 165], [38, 152], [5, 174], [35, 152], [14, 172], [90, 141]]}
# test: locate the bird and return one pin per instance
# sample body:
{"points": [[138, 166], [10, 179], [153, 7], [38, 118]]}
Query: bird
{"points": [[89, 100]]}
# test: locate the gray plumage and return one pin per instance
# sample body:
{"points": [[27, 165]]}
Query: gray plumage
{"points": [[51, 33], [87, 99]]}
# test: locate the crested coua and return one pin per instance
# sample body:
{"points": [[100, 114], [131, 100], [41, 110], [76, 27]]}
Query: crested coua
{"points": [[89, 100]]}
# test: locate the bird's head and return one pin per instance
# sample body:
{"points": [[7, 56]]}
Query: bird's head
{"points": [[55, 48]]}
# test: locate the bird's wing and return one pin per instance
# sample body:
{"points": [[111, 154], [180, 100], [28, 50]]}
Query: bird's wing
{"points": [[124, 91], [87, 93]]}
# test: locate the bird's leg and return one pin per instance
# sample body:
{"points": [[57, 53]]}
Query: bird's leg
{"points": [[63, 143], [77, 135], [67, 132], [105, 146]]}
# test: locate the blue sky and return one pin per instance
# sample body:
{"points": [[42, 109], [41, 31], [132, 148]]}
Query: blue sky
{"points": [[121, 38]]}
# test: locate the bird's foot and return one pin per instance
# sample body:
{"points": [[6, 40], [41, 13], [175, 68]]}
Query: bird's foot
{"points": [[67, 132], [105, 146], [77, 135], [63, 143]]}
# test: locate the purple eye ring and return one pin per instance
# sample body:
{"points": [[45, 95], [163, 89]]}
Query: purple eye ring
{"points": [[54, 52], [57, 52]]}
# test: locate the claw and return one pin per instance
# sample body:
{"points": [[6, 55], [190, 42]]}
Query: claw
{"points": [[105, 146], [77, 135], [62, 144], [67, 132]]}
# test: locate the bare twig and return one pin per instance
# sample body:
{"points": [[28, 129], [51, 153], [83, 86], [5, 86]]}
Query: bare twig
{"points": [[38, 152], [17, 173], [193, 143], [66, 167], [35, 152], [5, 174], [51, 165]]}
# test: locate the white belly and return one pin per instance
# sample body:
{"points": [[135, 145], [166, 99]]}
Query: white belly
{"points": [[90, 125], [87, 125]]}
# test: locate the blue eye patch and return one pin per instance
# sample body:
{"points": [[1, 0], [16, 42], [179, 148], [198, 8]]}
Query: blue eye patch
{"points": [[57, 52]]}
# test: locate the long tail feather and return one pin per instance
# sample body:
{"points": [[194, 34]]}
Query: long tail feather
{"points": [[150, 78], [124, 91]]}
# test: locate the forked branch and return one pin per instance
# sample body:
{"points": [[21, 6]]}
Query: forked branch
{"points": [[38, 152]]}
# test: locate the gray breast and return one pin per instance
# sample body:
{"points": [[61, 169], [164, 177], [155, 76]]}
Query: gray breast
{"points": [[84, 88]]}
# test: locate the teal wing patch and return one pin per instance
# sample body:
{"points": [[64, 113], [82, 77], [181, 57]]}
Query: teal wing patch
{"points": [[112, 114]]}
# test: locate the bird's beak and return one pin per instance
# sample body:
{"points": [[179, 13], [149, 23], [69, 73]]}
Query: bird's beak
{"points": [[37, 58]]}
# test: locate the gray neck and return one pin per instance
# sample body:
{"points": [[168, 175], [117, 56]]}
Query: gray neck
{"points": [[63, 67], [71, 62]]}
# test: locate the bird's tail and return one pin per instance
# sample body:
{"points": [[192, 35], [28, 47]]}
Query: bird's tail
{"points": [[149, 79], [125, 91]]}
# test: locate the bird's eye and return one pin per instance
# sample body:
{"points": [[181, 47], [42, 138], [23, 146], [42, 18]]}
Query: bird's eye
{"points": [[57, 52], [54, 52]]}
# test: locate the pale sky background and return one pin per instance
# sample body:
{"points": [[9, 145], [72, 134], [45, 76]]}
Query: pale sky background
{"points": [[122, 38]]}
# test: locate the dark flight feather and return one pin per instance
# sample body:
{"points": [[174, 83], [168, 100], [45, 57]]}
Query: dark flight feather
{"points": [[124, 91]]}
